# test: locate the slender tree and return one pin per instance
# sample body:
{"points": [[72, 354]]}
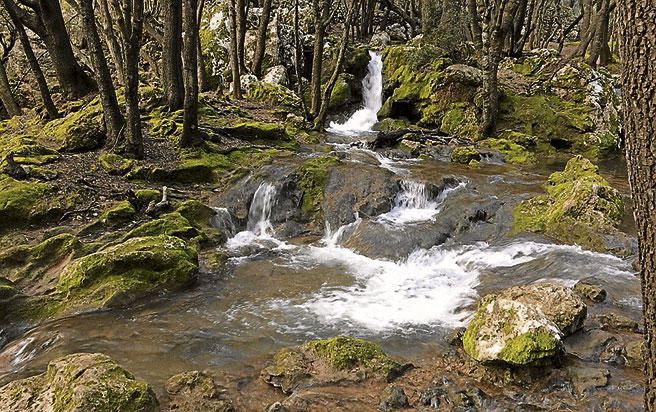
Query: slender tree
{"points": [[31, 59], [172, 54], [638, 54], [190, 135], [321, 15], [114, 121], [234, 52], [6, 95], [262, 29]]}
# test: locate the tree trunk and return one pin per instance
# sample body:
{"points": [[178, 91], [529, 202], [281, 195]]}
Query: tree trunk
{"points": [[325, 101], [258, 58], [133, 137], [202, 74], [241, 19], [321, 13], [112, 41], [74, 81], [234, 53], [190, 135], [297, 60], [474, 24], [114, 121], [7, 97], [172, 54], [600, 30], [31, 59], [638, 55]]}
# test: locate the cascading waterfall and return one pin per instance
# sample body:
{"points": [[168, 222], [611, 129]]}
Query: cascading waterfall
{"points": [[372, 100], [259, 214], [415, 203]]}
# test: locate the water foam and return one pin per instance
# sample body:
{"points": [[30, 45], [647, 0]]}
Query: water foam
{"points": [[414, 203], [372, 95]]}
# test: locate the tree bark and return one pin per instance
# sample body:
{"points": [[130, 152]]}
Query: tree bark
{"points": [[190, 135], [638, 54], [321, 11], [172, 54], [134, 13], [114, 121], [262, 29], [234, 53], [202, 74], [31, 59], [241, 19], [111, 38], [6, 95]]}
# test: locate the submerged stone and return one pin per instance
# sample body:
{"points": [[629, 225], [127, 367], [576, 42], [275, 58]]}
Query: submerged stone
{"points": [[80, 382], [196, 391]]}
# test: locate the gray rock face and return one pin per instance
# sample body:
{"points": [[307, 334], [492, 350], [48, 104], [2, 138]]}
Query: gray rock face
{"points": [[80, 382], [463, 74], [277, 75], [393, 398], [379, 40], [590, 289]]}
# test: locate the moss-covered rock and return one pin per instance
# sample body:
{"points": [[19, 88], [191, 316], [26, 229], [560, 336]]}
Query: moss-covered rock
{"points": [[580, 207], [276, 95], [313, 174], [196, 391], [320, 361], [457, 120], [23, 203], [78, 131], [465, 154], [127, 271], [341, 96], [512, 152], [507, 331], [391, 125], [115, 164], [80, 382]]}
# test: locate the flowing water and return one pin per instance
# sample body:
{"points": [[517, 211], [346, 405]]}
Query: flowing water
{"points": [[286, 291]]}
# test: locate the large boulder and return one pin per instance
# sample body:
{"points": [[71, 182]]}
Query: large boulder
{"points": [[79, 131], [508, 331], [330, 360], [81, 382], [277, 75], [579, 207]]}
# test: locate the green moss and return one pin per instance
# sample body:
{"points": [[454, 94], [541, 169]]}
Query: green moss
{"points": [[530, 347], [464, 154], [115, 164], [145, 196], [512, 152], [122, 273], [341, 94], [275, 94], [120, 213], [460, 120], [78, 131], [579, 207], [390, 125], [172, 224], [346, 353], [313, 176]]}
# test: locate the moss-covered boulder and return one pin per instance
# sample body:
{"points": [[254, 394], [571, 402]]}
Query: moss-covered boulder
{"points": [[115, 164], [341, 96], [276, 95], [580, 207], [465, 154], [512, 152], [196, 391], [313, 174], [329, 360], [127, 271], [79, 131], [81, 382], [507, 331]]}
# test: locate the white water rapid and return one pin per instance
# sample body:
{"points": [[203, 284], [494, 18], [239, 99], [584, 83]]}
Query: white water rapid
{"points": [[414, 203], [372, 96]]}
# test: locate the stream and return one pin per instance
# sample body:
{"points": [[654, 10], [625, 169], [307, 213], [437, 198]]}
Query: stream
{"points": [[276, 291]]}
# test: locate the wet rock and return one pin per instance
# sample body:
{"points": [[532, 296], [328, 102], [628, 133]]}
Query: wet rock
{"points": [[587, 378], [615, 321], [330, 360], [461, 73], [379, 40], [465, 154], [346, 193], [195, 392], [634, 353], [590, 289], [580, 207], [393, 397], [558, 303], [277, 75], [510, 331], [79, 382], [589, 344], [446, 394]]}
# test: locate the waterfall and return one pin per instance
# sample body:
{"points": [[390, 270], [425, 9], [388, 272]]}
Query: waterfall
{"points": [[372, 100], [260, 210], [415, 203]]}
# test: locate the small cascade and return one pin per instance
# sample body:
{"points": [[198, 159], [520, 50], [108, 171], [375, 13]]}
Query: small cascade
{"points": [[372, 100], [260, 210], [414, 203], [258, 226]]}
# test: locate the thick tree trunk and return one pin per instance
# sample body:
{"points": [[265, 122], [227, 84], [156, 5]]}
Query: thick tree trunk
{"points": [[172, 54], [262, 29], [234, 53], [600, 31], [6, 95], [638, 55], [190, 135], [114, 121], [74, 81], [325, 100], [31, 59], [133, 137]]}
